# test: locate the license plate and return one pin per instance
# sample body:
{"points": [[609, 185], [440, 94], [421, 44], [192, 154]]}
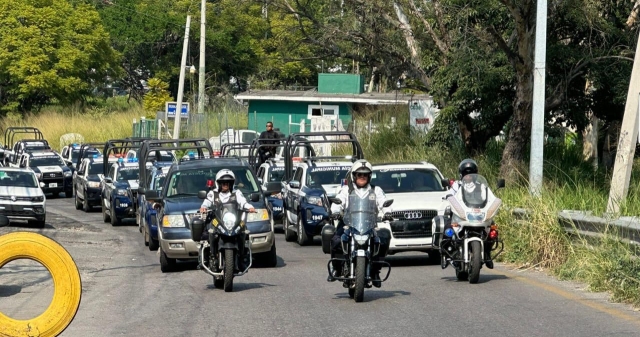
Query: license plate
{"points": [[360, 252], [53, 185], [277, 209]]}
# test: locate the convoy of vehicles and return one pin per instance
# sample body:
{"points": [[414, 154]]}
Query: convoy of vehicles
{"points": [[161, 183]]}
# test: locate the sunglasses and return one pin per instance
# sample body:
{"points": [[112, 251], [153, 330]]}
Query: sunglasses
{"points": [[361, 175], [269, 126]]}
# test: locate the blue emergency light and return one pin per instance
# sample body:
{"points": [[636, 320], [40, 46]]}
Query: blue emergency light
{"points": [[120, 160], [191, 154], [133, 160], [96, 155]]}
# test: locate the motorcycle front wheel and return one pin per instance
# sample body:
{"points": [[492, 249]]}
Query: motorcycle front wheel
{"points": [[476, 262], [361, 264], [229, 264]]}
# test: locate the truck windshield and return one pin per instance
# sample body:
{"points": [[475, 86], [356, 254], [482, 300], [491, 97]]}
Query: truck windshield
{"points": [[45, 161], [190, 182], [18, 179], [128, 173]]}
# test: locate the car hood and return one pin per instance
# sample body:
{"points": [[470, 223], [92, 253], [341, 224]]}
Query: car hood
{"points": [[21, 191], [131, 184], [50, 169], [182, 205], [332, 189], [417, 200]]}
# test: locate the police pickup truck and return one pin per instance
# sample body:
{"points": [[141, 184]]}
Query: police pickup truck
{"points": [[308, 182], [86, 182], [51, 170], [119, 191], [71, 153], [269, 174], [12, 149]]}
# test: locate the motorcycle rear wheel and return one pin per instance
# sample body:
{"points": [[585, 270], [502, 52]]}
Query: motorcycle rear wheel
{"points": [[361, 265], [476, 262], [229, 264]]}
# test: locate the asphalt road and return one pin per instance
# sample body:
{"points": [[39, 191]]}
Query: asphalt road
{"points": [[124, 293]]}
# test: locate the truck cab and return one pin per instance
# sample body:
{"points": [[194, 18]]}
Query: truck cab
{"points": [[49, 169]]}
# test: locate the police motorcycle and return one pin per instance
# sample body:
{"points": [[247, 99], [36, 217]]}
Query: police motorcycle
{"points": [[359, 243], [467, 235], [219, 253]]}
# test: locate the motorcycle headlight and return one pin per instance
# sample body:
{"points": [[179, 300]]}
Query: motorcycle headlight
{"points": [[475, 217], [260, 215], [93, 184], [229, 220], [122, 192], [314, 200], [173, 221], [361, 239]]}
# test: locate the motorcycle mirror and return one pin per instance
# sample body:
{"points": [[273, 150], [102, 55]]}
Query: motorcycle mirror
{"points": [[501, 183], [202, 194], [387, 203], [4, 221], [446, 182], [335, 201]]}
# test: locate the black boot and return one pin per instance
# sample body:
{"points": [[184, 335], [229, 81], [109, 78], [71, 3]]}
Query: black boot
{"points": [[444, 263], [336, 272], [376, 281]]}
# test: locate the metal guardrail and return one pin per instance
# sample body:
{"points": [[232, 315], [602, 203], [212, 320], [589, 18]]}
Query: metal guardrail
{"points": [[584, 223]]}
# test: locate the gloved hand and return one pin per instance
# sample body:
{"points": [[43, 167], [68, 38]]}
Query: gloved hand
{"points": [[335, 216]]}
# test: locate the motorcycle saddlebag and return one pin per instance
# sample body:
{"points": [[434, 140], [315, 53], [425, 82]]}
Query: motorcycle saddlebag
{"points": [[197, 227], [327, 234], [437, 228]]}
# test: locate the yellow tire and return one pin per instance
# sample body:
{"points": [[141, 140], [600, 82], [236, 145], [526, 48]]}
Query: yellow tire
{"points": [[66, 284]]}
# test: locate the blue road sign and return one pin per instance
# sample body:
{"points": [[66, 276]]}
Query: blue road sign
{"points": [[171, 110]]}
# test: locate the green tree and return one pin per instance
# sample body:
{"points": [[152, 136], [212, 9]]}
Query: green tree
{"points": [[155, 99], [51, 50]]}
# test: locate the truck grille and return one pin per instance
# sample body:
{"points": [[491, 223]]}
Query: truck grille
{"points": [[412, 224], [51, 175], [6, 197]]}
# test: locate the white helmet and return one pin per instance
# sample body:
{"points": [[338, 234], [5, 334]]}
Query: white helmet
{"points": [[225, 175], [361, 166]]}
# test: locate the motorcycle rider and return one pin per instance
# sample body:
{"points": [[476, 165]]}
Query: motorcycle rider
{"points": [[360, 184], [224, 194], [466, 168]]}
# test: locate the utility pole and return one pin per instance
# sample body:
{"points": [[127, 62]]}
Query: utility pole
{"points": [[537, 116], [627, 141], [201, 89], [183, 65]]}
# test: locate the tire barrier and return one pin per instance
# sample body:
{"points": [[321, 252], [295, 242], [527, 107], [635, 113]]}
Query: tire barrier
{"points": [[66, 284]]}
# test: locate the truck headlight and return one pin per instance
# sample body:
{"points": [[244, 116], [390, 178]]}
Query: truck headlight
{"points": [[122, 192], [93, 184], [68, 174], [173, 221], [260, 215], [37, 199], [314, 200]]}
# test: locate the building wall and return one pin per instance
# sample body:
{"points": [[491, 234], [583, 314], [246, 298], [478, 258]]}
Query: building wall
{"points": [[260, 112]]}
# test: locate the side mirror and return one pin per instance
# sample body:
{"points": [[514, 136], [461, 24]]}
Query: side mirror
{"points": [[43, 185], [4, 221], [70, 164], [387, 203], [335, 201], [446, 182], [141, 190], [202, 195], [501, 183], [387, 217], [294, 184], [151, 195], [260, 181], [254, 197], [108, 180]]}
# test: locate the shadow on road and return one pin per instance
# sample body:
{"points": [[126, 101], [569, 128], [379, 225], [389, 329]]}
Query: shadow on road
{"points": [[239, 286], [372, 294], [484, 278], [6, 291]]}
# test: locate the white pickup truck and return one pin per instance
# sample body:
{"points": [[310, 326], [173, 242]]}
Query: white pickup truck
{"points": [[233, 136]]}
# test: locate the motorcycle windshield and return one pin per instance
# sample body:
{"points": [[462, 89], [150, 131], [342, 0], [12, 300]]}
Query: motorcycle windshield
{"points": [[227, 208], [474, 191], [362, 213]]}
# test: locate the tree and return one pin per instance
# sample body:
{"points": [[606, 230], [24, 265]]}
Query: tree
{"points": [[156, 97], [51, 50]]}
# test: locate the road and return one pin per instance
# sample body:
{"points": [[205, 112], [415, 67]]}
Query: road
{"points": [[124, 293]]}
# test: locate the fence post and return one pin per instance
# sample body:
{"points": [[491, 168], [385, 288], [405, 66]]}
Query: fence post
{"points": [[134, 128]]}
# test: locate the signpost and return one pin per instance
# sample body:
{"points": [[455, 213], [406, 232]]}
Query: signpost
{"points": [[170, 110]]}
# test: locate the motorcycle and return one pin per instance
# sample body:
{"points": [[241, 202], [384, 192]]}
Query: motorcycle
{"points": [[467, 227], [222, 260], [359, 244]]}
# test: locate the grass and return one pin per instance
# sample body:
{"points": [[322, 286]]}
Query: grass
{"points": [[605, 264]]}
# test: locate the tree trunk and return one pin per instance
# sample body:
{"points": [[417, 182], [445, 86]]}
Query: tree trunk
{"points": [[520, 130]]}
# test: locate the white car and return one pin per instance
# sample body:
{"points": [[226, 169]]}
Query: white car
{"points": [[21, 196], [417, 190]]}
